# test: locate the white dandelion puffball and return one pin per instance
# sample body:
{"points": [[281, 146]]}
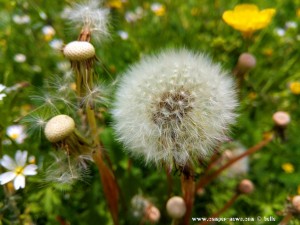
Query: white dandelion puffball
{"points": [[174, 108], [59, 127], [79, 50]]}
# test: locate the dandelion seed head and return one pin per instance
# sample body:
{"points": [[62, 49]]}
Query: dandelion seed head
{"points": [[174, 108], [89, 14]]}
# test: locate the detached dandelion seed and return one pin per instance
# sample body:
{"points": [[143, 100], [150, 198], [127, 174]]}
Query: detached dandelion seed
{"points": [[174, 108]]}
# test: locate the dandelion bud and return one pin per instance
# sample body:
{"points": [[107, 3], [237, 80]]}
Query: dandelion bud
{"points": [[59, 127], [296, 203], [176, 207], [152, 214], [79, 51], [245, 63], [245, 187], [281, 119]]}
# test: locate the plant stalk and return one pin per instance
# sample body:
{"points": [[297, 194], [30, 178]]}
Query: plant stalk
{"points": [[209, 177]]}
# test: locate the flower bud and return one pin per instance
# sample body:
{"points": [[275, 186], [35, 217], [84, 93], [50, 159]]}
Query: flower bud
{"points": [[79, 50], [59, 127], [281, 119], [296, 203], [245, 187], [245, 63], [176, 207], [152, 213]]}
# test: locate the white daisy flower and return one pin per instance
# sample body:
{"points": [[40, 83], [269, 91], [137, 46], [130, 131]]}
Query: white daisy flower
{"points": [[21, 19], [20, 58], [2, 95], [17, 133], [174, 108], [123, 34], [18, 169], [56, 44]]}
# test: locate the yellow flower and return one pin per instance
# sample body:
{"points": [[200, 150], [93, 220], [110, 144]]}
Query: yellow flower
{"points": [[247, 18], [158, 9], [298, 190], [298, 12], [295, 87], [288, 167], [116, 4]]}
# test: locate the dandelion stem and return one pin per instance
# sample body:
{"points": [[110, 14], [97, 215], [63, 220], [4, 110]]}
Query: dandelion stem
{"points": [[109, 183], [84, 80], [286, 219], [209, 177], [188, 190], [225, 207], [169, 181]]}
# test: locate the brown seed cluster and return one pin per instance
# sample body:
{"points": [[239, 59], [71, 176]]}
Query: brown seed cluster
{"points": [[172, 107]]}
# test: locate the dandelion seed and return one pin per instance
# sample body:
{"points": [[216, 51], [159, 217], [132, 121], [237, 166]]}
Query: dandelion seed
{"points": [[174, 108], [66, 169], [18, 169], [35, 122]]}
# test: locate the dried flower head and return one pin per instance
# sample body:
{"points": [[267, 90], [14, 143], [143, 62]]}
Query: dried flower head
{"points": [[79, 51], [89, 16], [176, 207], [59, 127], [173, 108]]}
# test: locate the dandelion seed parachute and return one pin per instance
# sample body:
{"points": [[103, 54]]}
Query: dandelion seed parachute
{"points": [[173, 108]]}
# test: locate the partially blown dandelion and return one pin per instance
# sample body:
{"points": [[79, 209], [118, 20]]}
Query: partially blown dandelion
{"points": [[90, 17], [174, 108]]}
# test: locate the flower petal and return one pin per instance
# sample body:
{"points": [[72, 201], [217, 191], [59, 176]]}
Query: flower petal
{"points": [[8, 163], [19, 182], [6, 177], [30, 170], [21, 157]]}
